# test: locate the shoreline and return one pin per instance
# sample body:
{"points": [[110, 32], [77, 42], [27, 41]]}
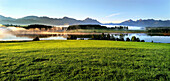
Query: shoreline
{"points": [[10, 41]]}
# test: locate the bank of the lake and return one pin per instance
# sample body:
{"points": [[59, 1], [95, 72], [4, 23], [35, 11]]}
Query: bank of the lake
{"points": [[105, 31], [84, 60]]}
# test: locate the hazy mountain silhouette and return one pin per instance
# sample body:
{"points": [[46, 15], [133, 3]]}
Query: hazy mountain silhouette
{"points": [[71, 21], [46, 20], [5, 18], [144, 23]]}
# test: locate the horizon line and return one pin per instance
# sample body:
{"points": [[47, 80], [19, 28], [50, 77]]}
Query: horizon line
{"points": [[118, 21]]}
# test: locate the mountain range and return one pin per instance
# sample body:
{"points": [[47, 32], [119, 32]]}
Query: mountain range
{"points": [[46, 20], [71, 21], [144, 23]]}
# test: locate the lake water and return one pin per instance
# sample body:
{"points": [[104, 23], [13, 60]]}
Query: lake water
{"points": [[147, 38], [129, 27], [5, 35], [142, 36]]}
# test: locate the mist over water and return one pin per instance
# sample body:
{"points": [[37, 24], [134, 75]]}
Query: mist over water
{"points": [[5, 32], [21, 34], [13, 34]]}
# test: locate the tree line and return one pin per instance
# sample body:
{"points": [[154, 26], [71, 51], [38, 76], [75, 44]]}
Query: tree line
{"points": [[105, 37]]}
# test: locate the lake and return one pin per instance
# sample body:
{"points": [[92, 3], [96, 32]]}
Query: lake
{"points": [[142, 36], [129, 27], [5, 35]]}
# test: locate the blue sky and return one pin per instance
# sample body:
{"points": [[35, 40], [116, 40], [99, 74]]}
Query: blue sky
{"points": [[102, 10]]}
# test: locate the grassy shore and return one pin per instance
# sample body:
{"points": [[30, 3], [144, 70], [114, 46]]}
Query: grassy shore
{"points": [[84, 60], [105, 31]]}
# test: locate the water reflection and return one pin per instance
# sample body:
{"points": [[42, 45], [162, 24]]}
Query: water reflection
{"points": [[142, 36], [147, 38], [13, 34]]}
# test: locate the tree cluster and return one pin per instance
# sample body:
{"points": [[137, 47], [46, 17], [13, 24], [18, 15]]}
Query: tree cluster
{"points": [[104, 37], [11, 25], [74, 27], [158, 29], [120, 27], [38, 26]]}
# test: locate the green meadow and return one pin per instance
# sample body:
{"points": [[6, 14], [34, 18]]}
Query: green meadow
{"points": [[60, 60]]}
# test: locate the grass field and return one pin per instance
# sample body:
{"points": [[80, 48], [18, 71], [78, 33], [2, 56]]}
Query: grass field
{"points": [[84, 60]]}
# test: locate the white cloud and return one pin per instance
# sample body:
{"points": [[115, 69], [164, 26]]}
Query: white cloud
{"points": [[115, 14]]}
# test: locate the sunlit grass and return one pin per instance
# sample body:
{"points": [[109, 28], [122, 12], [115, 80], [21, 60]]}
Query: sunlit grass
{"points": [[84, 60]]}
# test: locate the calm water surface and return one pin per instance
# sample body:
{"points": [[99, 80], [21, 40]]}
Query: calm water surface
{"points": [[6, 36], [142, 36]]}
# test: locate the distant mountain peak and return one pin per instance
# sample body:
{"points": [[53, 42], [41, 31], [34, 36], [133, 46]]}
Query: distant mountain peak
{"points": [[30, 17], [89, 18], [147, 23], [46, 20], [5, 18], [130, 20], [151, 20], [1, 16], [45, 17], [65, 17], [140, 19]]}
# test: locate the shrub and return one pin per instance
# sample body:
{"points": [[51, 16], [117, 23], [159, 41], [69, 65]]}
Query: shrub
{"points": [[112, 38], [138, 40], [133, 38], [117, 39], [122, 39], [121, 36], [102, 36], [108, 36], [36, 39], [127, 39], [92, 37], [72, 37], [142, 40]]}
